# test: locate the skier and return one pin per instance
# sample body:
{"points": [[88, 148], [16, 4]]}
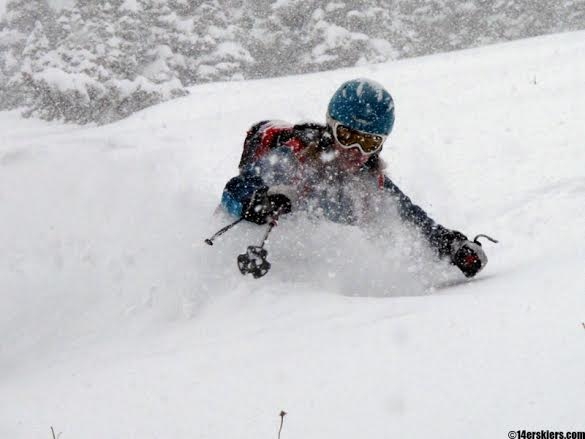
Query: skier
{"points": [[335, 171]]}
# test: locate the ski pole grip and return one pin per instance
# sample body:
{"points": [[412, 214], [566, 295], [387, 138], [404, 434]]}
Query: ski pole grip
{"points": [[495, 241]]}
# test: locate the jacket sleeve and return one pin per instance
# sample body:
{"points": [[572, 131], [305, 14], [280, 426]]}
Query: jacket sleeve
{"points": [[439, 237], [239, 191]]}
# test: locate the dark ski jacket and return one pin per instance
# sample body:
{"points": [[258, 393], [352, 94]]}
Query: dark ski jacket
{"points": [[273, 153]]}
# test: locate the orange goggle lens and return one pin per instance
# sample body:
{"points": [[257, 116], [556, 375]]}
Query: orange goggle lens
{"points": [[348, 138]]}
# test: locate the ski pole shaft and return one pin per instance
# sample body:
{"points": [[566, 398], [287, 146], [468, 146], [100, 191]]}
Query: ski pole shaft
{"points": [[209, 241], [254, 261], [495, 241], [273, 223], [270, 227]]}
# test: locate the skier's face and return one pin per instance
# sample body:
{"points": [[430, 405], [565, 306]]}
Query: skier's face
{"points": [[350, 159], [353, 148]]}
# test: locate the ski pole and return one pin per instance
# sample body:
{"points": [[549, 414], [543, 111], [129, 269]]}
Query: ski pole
{"points": [[273, 223], [209, 241], [254, 261], [481, 235]]}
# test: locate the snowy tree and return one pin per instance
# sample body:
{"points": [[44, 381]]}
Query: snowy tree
{"points": [[37, 44], [18, 23], [96, 72], [333, 43], [24, 14], [165, 62], [218, 52], [102, 60], [275, 35], [293, 36], [573, 16]]}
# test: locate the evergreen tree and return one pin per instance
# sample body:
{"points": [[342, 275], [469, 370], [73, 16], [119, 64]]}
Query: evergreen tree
{"points": [[275, 35], [219, 52], [17, 24], [333, 32], [102, 60], [37, 45], [22, 15], [96, 72]]}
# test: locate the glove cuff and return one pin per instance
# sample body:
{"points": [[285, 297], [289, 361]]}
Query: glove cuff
{"points": [[262, 206], [447, 242]]}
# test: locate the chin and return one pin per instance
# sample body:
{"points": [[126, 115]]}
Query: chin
{"points": [[351, 160]]}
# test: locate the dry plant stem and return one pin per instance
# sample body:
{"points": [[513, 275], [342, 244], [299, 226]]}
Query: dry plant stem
{"points": [[282, 415]]}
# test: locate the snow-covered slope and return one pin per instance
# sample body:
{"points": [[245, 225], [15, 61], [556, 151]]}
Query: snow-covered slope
{"points": [[118, 322]]}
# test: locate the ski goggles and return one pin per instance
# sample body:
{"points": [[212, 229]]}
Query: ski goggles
{"points": [[347, 137]]}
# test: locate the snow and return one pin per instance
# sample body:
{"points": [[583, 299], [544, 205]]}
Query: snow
{"points": [[127, 87], [384, 47], [76, 82], [333, 36], [232, 50], [372, 85], [119, 322], [130, 5]]}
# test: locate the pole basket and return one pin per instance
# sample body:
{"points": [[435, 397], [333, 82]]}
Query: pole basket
{"points": [[254, 262]]}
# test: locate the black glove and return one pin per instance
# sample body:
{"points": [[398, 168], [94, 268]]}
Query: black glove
{"points": [[262, 206], [467, 255]]}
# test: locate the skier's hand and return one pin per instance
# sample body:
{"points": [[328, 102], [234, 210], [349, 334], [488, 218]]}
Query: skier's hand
{"points": [[262, 206], [467, 255]]}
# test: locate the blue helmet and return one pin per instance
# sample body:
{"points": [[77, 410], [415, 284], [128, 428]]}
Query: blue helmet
{"points": [[363, 105]]}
